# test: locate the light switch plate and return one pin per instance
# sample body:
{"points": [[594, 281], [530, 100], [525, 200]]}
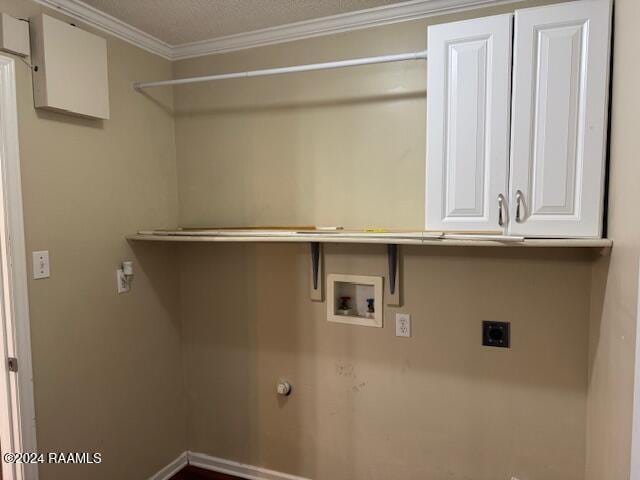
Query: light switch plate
{"points": [[41, 264], [403, 325]]}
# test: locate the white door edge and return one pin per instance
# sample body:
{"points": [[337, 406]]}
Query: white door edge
{"points": [[14, 277]]}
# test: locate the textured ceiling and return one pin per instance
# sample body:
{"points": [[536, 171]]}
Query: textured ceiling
{"points": [[184, 21]]}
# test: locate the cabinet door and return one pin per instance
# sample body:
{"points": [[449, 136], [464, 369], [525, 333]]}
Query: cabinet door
{"points": [[468, 102], [559, 125]]}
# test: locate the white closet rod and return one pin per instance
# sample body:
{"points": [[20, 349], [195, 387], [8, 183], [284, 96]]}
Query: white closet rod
{"points": [[298, 68]]}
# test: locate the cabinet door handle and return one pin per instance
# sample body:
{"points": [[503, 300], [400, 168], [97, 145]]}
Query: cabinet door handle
{"points": [[519, 206], [501, 210]]}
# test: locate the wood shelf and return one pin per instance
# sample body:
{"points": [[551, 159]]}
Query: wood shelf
{"points": [[399, 238]]}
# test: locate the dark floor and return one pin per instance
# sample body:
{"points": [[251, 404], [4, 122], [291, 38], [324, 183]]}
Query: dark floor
{"points": [[193, 473]]}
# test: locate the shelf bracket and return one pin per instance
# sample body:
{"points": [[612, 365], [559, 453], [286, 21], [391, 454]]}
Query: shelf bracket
{"points": [[317, 272], [393, 281]]}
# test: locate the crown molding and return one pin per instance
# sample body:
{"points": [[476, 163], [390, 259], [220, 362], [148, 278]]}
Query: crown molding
{"points": [[373, 17], [111, 25]]}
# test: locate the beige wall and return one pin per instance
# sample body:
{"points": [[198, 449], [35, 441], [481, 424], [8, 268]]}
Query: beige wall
{"points": [[106, 366], [297, 149], [369, 406], [615, 280], [347, 148], [342, 147]]}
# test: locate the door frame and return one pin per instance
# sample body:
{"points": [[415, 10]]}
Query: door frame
{"points": [[18, 425]]}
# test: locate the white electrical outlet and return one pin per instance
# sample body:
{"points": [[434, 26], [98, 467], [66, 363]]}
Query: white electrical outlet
{"points": [[403, 325], [123, 281], [41, 264]]}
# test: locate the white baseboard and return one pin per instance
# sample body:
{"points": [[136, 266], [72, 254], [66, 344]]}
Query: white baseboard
{"points": [[170, 470], [241, 470], [220, 465]]}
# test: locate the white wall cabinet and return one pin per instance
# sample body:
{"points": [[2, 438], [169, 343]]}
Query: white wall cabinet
{"points": [[560, 96], [556, 137], [468, 86]]}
